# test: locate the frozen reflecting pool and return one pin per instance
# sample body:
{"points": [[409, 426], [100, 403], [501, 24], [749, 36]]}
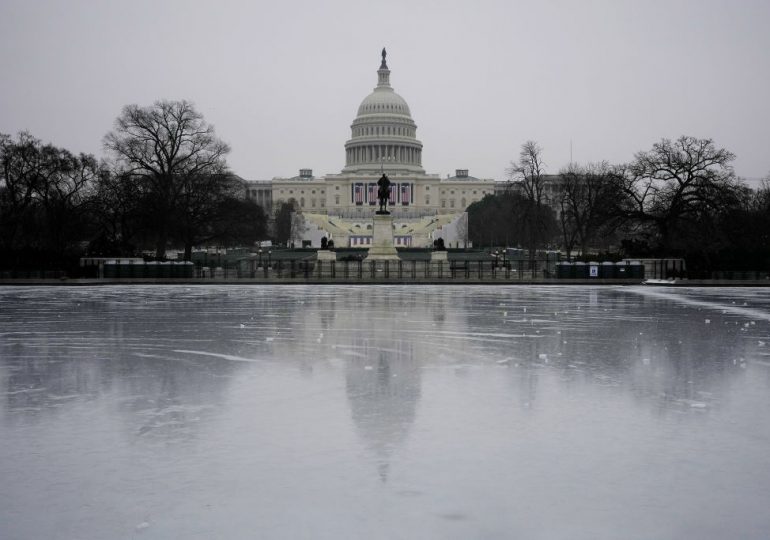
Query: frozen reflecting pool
{"points": [[204, 412]]}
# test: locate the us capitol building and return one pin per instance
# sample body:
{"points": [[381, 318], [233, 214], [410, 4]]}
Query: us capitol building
{"points": [[341, 206]]}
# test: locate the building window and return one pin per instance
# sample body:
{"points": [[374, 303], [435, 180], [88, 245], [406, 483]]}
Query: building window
{"points": [[336, 199], [302, 201], [312, 203], [427, 188], [463, 203], [427, 200], [451, 203], [337, 188], [443, 203], [323, 203]]}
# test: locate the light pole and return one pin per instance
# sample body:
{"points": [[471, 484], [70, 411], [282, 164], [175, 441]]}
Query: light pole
{"points": [[260, 258], [383, 159]]}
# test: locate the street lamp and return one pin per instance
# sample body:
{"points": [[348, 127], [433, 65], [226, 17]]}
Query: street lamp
{"points": [[260, 258], [383, 159], [269, 253]]}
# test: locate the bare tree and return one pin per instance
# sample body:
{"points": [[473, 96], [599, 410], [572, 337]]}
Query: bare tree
{"points": [[198, 214], [529, 171], [676, 184], [586, 197], [119, 211], [569, 226], [763, 193], [528, 174], [44, 192], [165, 146]]}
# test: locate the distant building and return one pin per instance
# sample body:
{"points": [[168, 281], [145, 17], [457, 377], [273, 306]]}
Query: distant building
{"points": [[260, 192], [552, 190], [383, 139]]}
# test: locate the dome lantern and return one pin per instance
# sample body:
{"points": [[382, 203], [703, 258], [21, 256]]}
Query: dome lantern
{"points": [[383, 74]]}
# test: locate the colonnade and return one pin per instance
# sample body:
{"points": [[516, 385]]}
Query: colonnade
{"points": [[374, 153]]}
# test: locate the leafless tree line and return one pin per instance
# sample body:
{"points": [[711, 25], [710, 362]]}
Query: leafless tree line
{"points": [[165, 182], [679, 197]]}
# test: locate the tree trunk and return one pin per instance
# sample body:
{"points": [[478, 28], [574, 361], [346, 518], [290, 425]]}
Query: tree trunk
{"points": [[160, 243]]}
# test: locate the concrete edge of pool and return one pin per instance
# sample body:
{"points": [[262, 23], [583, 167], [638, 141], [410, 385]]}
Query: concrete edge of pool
{"points": [[379, 281]]}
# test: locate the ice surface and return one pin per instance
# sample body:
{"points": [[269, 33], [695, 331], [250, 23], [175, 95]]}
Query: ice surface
{"points": [[384, 412]]}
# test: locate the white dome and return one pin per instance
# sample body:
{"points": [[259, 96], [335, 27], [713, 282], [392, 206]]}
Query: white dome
{"points": [[383, 101], [383, 134]]}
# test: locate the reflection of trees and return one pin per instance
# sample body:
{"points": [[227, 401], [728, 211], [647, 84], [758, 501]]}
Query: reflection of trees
{"points": [[151, 394], [655, 348], [114, 354]]}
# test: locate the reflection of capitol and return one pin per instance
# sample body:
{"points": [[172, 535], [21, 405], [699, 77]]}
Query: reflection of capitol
{"points": [[383, 341], [383, 392]]}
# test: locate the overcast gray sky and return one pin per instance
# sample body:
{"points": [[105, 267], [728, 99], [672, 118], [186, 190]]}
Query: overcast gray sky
{"points": [[281, 81]]}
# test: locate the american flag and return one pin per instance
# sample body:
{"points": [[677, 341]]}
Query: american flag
{"points": [[359, 193], [393, 194], [372, 194], [406, 194]]}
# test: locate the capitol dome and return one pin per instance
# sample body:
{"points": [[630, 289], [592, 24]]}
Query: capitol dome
{"points": [[383, 134], [383, 100]]}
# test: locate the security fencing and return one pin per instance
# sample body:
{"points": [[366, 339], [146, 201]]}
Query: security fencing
{"points": [[385, 270], [373, 271]]}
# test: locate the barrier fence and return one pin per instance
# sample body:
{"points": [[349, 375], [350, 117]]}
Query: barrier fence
{"points": [[384, 271]]}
